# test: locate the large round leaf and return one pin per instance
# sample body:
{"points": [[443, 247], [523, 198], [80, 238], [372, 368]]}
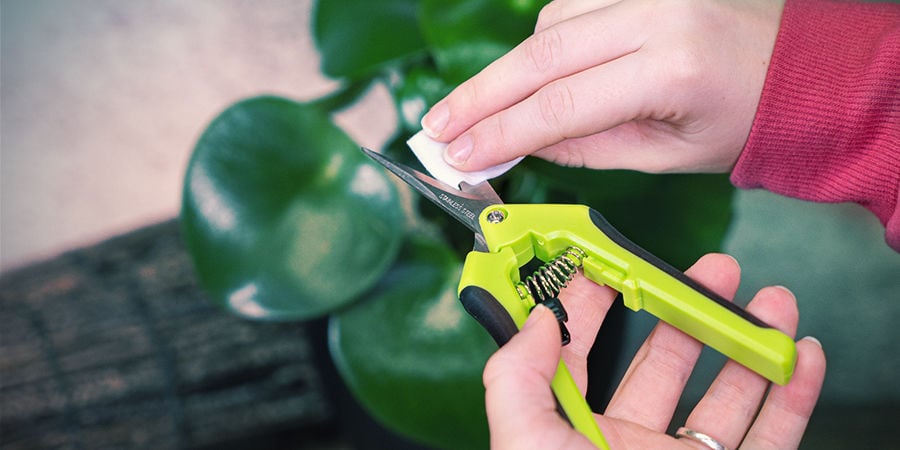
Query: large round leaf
{"points": [[357, 37], [283, 215], [412, 356], [464, 36]]}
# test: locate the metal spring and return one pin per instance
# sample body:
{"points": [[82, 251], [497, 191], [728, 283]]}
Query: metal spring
{"points": [[553, 276]]}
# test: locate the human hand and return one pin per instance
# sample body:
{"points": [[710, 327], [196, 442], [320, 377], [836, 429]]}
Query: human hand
{"points": [[663, 86], [522, 412]]}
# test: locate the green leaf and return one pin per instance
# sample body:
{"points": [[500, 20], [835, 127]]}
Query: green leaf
{"points": [[283, 215], [466, 35], [676, 217], [416, 89], [412, 355], [358, 37]]}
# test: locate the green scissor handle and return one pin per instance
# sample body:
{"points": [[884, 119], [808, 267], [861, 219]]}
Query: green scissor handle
{"points": [[515, 234], [493, 301]]}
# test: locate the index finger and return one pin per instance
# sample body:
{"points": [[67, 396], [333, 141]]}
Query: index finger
{"points": [[560, 10], [562, 49], [587, 304]]}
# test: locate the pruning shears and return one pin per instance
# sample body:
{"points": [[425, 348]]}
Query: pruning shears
{"points": [[564, 238]]}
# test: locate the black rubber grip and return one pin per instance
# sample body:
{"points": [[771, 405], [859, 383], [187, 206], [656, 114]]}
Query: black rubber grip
{"points": [[610, 231], [481, 305]]}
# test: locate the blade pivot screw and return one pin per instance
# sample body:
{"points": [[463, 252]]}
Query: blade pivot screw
{"points": [[496, 216]]}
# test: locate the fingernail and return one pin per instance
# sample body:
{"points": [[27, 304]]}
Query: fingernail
{"points": [[436, 120], [537, 314], [459, 150], [813, 340], [733, 259], [788, 291]]}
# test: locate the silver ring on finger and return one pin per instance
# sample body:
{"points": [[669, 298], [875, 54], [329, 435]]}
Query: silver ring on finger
{"points": [[687, 433]]}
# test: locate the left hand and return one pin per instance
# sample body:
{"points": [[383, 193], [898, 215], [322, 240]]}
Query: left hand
{"points": [[522, 412]]}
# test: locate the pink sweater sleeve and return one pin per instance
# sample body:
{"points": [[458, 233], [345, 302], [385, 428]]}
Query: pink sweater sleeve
{"points": [[828, 124]]}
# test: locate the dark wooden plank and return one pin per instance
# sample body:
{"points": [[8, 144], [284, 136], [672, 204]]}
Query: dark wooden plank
{"points": [[115, 346]]}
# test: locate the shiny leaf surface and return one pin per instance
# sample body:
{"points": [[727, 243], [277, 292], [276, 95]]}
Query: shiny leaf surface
{"points": [[358, 37], [464, 36], [283, 215], [412, 355], [416, 90]]}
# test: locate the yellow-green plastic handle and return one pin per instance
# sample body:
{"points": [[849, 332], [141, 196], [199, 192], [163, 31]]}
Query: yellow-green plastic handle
{"points": [[489, 295], [516, 234]]}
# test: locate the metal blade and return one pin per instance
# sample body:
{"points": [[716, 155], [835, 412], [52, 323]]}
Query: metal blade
{"points": [[465, 204]]}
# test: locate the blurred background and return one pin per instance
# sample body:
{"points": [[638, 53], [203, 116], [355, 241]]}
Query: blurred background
{"points": [[101, 103]]}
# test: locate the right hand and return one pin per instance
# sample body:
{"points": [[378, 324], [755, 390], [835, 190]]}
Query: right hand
{"points": [[661, 86]]}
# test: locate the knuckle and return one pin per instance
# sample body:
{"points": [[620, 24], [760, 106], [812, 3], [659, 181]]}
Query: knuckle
{"points": [[556, 105], [684, 54], [679, 13], [470, 94], [497, 367], [502, 131], [543, 50], [684, 67], [548, 16], [566, 153]]}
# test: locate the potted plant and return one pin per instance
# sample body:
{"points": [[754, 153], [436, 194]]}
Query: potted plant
{"points": [[285, 219]]}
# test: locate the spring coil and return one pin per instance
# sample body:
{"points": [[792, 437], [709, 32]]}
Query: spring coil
{"points": [[552, 277]]}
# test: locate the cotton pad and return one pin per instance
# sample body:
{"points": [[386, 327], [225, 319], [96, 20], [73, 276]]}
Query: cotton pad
{"points": [[431, 155]]}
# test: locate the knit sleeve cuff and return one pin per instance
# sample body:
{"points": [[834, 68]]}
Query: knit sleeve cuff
{"points": [[827, 126]]}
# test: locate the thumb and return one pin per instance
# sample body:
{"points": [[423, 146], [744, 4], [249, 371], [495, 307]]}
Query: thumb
{"points": [[517, 377]]}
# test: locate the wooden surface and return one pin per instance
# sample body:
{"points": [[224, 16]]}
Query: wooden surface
{"points": [[114, 346]]}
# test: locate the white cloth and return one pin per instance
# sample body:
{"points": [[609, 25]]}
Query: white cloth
{"points": [[431, 155]]}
